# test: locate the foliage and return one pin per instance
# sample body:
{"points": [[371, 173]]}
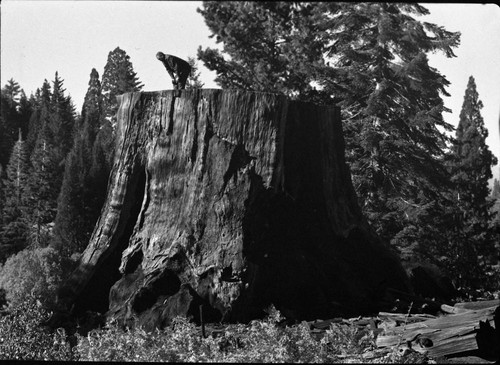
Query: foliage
{"points": [[14, 228], [118, 77], [51, 128], [9, 119], [369, 58], [495, 193], [470, 165], [22, 338], [193, 81], [472, 159], [62, 118], [33, 273], [78, 208], [262, 341]]}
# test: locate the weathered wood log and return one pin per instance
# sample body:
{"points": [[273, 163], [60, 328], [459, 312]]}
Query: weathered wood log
{"points": [[478, 305], [234, 200], [446, 335]]}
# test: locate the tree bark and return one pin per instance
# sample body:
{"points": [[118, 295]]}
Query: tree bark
{"points": [[232, 200]]}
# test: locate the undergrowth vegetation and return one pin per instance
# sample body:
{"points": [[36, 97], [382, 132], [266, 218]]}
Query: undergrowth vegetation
{"points": [[35, 272], [263, 341], [23, 338], [29, 281]]}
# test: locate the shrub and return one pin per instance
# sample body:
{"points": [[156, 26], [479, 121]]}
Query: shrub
{"points": [[22, 338], [32, 272], [260, 341]]}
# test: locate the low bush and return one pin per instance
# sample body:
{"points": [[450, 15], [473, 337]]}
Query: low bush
{"points": [[23, 338], [260, 341], [33, 272]]}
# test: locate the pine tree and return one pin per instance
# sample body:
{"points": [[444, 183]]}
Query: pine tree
{"points": [[369, 58], [2, 194], [45, 180], [12, 90], [25, 110], [5, 141], [77, 206], [62, 118], [10, 123], [473, 159], [92, 106], [194, 81], [34, 120], [14, 213], [50, 138], [41, 100], [470, 165], [70, 219], [495, 193], [118, 77], [271, 46]]}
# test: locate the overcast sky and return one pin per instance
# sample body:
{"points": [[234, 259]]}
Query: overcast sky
{"points": [[39, 38]]}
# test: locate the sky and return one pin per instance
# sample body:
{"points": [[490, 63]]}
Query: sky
{"points": [[39, 38]]}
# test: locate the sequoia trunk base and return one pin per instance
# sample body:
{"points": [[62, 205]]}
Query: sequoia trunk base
{"points": [[231, 200]]}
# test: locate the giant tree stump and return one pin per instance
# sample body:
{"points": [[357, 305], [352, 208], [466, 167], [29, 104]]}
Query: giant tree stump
{"points": [[232, 200]]}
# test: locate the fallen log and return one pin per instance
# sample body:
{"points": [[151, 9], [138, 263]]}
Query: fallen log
{"points": [[478, 305], [448, 335]]}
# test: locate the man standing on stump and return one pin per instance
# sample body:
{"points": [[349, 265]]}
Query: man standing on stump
{"points": [[177, 68]]}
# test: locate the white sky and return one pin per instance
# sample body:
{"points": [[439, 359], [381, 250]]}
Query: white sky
{"points": [[39, 38]]}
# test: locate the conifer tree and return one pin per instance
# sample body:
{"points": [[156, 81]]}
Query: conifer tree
{"points": [[5, 142], [495, 193], [14, 232], [51, 129], [77, 206], [45, 179], [118, 77], [472, 158], [69, 225], [12, 90], [470, 165], [10, 121], [62, 118], [34, 120], [369, 58], [2, 195], [194, 81], [25, 110]]}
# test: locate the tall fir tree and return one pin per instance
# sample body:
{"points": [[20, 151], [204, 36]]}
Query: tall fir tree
{"points": [[51, 129], [2, 193], [62, 118], [369, 58], [40, 101], [44, 182], [13, 91], [78, 205], [10, 118], [193, 81], [470, 165], [119, 77], [495, 193], [14, 232], [472, 157], [5, 142]]}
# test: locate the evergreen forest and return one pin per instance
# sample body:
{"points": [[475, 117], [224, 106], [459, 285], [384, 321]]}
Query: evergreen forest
{"points": [[422, 183]]}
